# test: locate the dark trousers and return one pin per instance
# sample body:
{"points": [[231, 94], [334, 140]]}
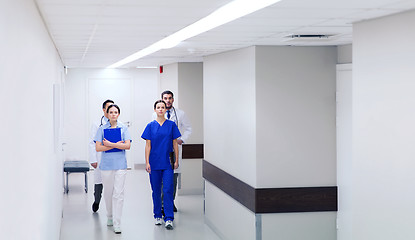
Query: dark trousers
{"points": [[98, 193]]}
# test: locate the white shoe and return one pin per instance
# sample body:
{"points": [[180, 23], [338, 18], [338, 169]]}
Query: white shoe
{"points": [[109, 222], [157, 221], [117, 230], [169, 224]]}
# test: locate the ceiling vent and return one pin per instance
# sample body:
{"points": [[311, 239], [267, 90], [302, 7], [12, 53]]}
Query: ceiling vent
{"points": [[308, 37]]}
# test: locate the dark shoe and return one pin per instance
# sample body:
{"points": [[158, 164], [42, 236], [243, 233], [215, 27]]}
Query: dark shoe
{"points": [[95, 207], [174, 208], [117, 230]]}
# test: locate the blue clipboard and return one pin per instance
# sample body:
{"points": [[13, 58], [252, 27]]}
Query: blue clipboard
{"points": [[113, 135]]}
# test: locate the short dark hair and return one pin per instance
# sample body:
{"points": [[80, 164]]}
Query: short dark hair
{"points": [[160, 101], [167, 92], [107, 101], [113, 105]]}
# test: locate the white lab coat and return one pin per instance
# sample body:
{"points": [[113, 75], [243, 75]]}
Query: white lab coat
{"points": [[94, 156], [183, 123]]}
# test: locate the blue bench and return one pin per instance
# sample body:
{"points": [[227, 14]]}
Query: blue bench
{"points": [[76, 167]]}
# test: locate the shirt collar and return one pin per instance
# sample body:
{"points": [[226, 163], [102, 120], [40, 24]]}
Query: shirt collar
{"points": [[108, 124]]}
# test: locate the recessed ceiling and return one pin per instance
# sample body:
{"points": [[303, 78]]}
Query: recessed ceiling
{"points": [[98, 33]]}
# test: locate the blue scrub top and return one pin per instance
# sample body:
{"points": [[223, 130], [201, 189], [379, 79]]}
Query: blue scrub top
{"points": [[161, 138], [113, 160]]}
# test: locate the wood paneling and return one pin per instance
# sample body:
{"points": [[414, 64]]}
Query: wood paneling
{"points": [[301, 199], [192, 151], [272, 200], [232, 186]]}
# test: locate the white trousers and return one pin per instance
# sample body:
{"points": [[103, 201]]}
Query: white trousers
{"points": [[97, 171], [97, 175], [114, 181], [180, 160]]}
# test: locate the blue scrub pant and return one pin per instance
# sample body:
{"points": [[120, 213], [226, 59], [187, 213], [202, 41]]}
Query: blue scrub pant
{"points": [[156, 178]]}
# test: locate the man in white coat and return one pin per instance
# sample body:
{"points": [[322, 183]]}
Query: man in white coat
{"points": [[95, 157], [179, 117]]}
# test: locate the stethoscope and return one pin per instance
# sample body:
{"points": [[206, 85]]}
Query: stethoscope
{"points": [[175, 115], [101, 121]]}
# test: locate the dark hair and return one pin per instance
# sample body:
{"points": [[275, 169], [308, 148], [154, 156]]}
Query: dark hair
{"points": [[114, 105], [167, 92], [107, 101], [160, 101]]}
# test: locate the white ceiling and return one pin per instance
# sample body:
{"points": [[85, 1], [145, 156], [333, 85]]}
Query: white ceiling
{"points": [[98, 33]]}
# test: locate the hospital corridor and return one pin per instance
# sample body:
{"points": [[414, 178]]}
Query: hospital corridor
{"points": [[276, 119]]}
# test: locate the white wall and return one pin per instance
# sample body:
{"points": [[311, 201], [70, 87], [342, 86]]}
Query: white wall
{"points": [[344, 150], [169, 80], [299, 226], [295, 114], [185, 80], [296, 133], [229, 113], [344, 54], [76, 126], [227, 217], [383, 128], [31, 175], [269, 120], [190, 90]]}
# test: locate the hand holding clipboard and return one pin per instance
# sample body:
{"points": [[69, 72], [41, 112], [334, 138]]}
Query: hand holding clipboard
{"points": [[113, 135]]}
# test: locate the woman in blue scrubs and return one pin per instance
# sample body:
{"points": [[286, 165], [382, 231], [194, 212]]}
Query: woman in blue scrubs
{"points": [[161, 139]]}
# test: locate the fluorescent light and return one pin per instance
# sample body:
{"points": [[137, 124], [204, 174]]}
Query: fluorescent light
{"points": [[225, 14], [146, 67]]}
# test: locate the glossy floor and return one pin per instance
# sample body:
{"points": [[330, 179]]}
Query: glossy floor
{"points": [[79, 222]]}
